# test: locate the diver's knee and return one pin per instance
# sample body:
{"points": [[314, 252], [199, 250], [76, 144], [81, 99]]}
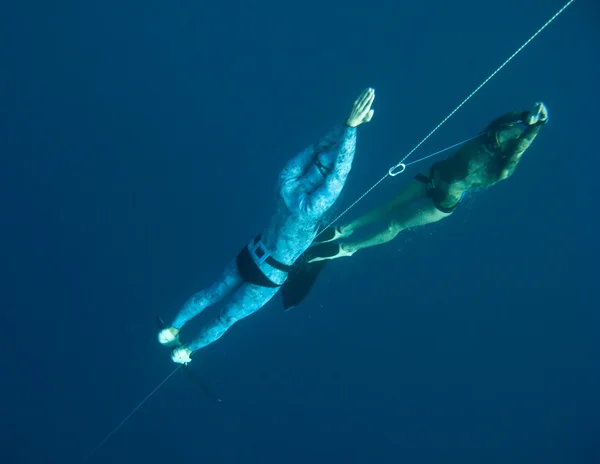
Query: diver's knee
{"points": [[226, 320], [394, 228]]}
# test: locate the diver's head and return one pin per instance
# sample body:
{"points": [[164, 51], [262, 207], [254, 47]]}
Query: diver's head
{"points": [[507, 134], [312, 179]]}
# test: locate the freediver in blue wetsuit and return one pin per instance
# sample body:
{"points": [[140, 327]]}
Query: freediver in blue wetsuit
{"points": [[308, 186]]}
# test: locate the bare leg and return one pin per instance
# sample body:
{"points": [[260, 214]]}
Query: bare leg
{"points": [[418, 212], [413, 191]]}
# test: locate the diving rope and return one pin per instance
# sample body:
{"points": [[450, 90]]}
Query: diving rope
{"points": [[116, 429]]}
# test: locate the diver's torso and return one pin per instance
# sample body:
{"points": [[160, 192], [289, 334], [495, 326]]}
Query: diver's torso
{"points": [[289, 234], [285, 238], [478, 164]]}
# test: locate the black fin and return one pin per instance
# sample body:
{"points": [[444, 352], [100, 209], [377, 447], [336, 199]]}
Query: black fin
{"points": [[327, 235], [161, 325], [203, 387], [300, 281], [323, 250]]}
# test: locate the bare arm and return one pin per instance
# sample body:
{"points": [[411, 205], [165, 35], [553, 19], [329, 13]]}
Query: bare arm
{"points": [[535, 119], [508, 118], [521, 144]]}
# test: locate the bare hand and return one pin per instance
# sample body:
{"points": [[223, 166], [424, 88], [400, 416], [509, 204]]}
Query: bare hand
{"points": [[538, 114], [361, 110]]}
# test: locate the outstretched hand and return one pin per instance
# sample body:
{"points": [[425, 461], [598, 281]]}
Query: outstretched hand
{"points": [[538, 114], [361, 110]]}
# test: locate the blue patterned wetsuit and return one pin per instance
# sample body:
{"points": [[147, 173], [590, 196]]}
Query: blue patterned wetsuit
{"points": [[308, 186]]}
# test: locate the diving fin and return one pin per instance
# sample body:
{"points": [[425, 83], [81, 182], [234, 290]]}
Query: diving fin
{"points": [[300, 281]]}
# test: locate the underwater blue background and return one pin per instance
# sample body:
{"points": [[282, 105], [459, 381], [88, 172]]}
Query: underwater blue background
{"points": [[140, 143]]}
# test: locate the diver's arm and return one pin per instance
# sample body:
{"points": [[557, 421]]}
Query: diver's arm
{"points": [[335, 165], [298, 165], [514, 117], [335, 157], [337, 161], [520, 145], [337, 149], [361, 112], [535, 119]]}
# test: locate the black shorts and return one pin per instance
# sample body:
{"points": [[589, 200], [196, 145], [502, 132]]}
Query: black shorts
{"points": [[433, 192]]}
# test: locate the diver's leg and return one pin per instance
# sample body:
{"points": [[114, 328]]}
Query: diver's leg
{"points": [[412, 191], [419, 212], [393, 215], [377, 214], [246, 300], [229, 281]]}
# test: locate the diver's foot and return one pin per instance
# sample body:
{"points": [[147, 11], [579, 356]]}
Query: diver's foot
{"points": [[332, 233], [169, 337], [181, 355], [325, 251]]}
